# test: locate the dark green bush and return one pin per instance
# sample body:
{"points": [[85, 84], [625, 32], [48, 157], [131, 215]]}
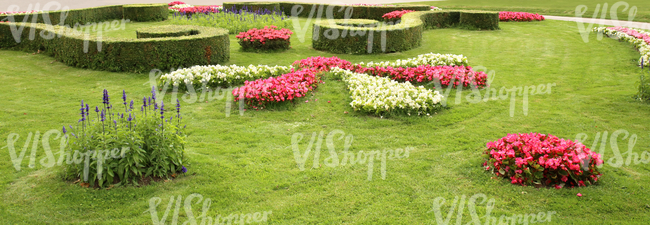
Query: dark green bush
{"points": [[339, 11], [165, 31], [73, 16], [357, 23], [123, 144], [210, 46], [146, 12], [479, 20]]}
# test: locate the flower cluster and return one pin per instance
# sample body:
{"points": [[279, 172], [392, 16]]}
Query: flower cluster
{"points": [[287, 87], [22, 12], [221, 76], [154, 142], [268, 38], [176, 3], [380, 95], [396, 14], [198, 9], [539, 159], [322, 63], [433, 59], [433, 8], [461, 75], [519, 16], [639, 38]]}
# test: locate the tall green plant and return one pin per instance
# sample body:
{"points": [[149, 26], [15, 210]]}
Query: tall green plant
{"points": [[125, 146], [644, 86]]}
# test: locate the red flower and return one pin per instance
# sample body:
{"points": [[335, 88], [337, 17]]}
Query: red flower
{"points": [[519, 16]]}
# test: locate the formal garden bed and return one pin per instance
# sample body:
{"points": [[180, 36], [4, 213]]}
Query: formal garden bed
{"points": [[463, 96]]}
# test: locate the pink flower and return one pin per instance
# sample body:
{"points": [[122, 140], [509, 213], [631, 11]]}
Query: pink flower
{"points": [[579, 195]]}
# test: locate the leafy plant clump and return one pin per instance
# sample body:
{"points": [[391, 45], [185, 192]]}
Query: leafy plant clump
{"points": [[121, 145], [542, 160], [268, 38]]}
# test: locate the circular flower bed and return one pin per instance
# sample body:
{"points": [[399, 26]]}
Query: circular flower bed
{"points": [[542, 160], [269, 38], [395, 15]]}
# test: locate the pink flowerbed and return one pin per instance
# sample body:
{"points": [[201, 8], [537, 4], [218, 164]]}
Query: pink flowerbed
{"points": [[632, 32], [22, 12], [199, 9], [322, 63], [176, 3], [261, 92], [519, 16], [464, 75], [394, 15], [538, 159], [269, 38]]}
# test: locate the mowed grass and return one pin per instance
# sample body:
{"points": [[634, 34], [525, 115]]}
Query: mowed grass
{"points": [[553, 7], [245, 164]]}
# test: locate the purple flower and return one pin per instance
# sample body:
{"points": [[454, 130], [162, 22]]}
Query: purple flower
{"points": [[103, 115], [155, 106], [64, 130], [130, 118], [131, 105], [124, 96], [153, 93], [87, 109], [144, 101], [106, 98], [178, 106], [115, 122], [184, 170], [122, 116], [70, 127], [96, 109], [83, 112]]}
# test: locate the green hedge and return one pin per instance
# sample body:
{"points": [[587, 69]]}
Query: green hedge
{"points": [[165, 31], [73, 16], [479, 20], [357, 23], [328, 35], [146, 12], [209, 46], [339, 11], [252, 6]]}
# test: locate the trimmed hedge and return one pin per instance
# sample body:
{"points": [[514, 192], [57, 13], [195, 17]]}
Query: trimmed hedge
{"points": [[357, 23], [165, 31], [73, 16], [479, 20], [146, 12], [95, 14], [252, 6], [339, 11], [329, 35], [209, 46]]}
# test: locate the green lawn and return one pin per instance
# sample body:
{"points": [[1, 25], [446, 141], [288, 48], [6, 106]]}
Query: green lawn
{"points": [[245, 164], [550, 7]]}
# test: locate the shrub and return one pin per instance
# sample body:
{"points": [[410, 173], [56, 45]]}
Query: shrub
{"points": [[358, 11], [479, 20], [71, 17], [150, 144], [519, 16], [357, 22], [269, 38], [538, 159], [209, 46], [165, 31], [146, 12]]}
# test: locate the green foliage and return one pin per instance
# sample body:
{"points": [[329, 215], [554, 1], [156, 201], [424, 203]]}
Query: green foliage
{"points": [[118, 149], [73, 16], [166, 31], [328, 11], [357, 22], [209, 46], [252, 6], [233, 22], [406, 34], [479, 20], [146, 12], [644, 87]]}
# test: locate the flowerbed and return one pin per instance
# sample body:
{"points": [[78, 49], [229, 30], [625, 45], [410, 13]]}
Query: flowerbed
{"points": [[395, 15], [639, 38], [519, 16], [433, 59], [142, 144], [21, 12], [262, 92], [268, 38], [322, 63], [220, 76], [380, 95], [433, 8], [461, 75], [538, 159]]}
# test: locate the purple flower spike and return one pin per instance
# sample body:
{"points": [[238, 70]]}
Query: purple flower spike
{"points": [[130, 118], [96, 109], [184, 170], [124, 96], [155, 106], [106, 99], [115, 122], [64, 130], [131, 105], [153, 93], [103, 116], [70, 127], [87, 109], [144, 101]]}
